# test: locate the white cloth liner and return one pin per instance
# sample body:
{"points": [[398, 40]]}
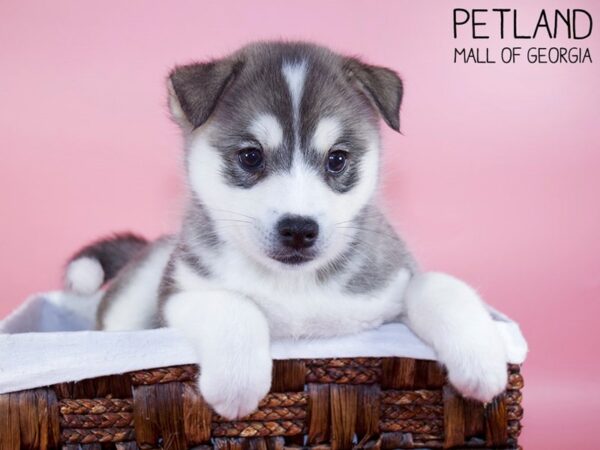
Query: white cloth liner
{"points": [[40, 344]]}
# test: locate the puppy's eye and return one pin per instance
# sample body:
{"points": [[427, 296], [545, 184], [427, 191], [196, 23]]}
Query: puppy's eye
{"points": [[250, 158], [336, 161]]}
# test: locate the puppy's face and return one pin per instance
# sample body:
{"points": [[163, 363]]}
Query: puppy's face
{"points": [[283, 147]]}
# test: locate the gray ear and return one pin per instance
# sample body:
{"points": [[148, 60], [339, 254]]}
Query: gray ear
{"points": [[381, 85], [195, 89]]}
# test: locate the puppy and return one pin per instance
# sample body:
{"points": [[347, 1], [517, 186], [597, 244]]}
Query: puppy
{"points": [[282, 236]]}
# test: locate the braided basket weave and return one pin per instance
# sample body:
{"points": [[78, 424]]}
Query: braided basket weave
{"points": [[319, 404]]}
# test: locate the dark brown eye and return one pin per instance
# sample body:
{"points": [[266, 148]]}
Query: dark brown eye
{"points": [[336, 161], [250, 158]]}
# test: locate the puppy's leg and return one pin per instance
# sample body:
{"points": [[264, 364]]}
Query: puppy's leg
{"points": [[449, 315], [131, 301], [231, 337]]}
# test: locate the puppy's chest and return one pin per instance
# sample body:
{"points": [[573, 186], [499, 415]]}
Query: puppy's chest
{"points": [[297, 305], [297, 309]]}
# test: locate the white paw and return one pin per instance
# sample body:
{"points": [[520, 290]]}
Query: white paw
{"points": [[233, 385], [479, 371], [449, 315]]}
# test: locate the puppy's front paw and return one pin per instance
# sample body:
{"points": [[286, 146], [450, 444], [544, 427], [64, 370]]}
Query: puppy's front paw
{"points": [[479, 371], [233, 386]]}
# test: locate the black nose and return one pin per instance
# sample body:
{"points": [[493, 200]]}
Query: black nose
{"points": [[297, 232]]}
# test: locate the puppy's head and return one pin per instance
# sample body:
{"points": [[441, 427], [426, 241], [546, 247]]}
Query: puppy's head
{"points": [[282, 146]]}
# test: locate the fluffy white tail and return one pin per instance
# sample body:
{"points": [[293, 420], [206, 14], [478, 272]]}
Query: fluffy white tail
{"points": [[98, 262]]}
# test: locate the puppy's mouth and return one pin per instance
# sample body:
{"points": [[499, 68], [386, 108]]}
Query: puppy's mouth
{"points": [[293, 257]]}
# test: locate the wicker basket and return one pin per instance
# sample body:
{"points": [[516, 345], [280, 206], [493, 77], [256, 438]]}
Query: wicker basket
{"points": [[360, 403]]}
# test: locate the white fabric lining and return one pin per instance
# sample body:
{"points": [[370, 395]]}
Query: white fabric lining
{"points": [[39, 347]]}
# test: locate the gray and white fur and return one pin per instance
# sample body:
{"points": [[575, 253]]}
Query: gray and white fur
{"points": [[282, 236]]}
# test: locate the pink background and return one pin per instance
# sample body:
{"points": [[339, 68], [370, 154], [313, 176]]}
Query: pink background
{"points": [[496, 178]]}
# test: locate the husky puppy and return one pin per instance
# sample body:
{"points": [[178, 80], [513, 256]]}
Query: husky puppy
{"points": [[282, 236]]}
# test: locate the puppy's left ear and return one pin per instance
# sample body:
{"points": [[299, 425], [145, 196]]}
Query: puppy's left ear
{"points": [[382, 86], [195, 89]]}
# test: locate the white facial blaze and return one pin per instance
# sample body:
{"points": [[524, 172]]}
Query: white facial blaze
{"points": [[328, 131], [267, 130], [295, 75], [302, 192]]}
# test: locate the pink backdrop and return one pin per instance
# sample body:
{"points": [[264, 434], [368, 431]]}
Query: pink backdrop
{"points": [[496, 178]]}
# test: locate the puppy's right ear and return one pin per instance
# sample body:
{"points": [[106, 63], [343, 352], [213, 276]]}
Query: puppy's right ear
{"points": [[195, 89]]}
